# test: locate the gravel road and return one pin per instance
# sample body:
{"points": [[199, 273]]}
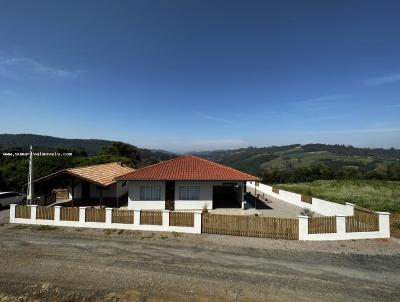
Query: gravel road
{"points": [[92, 265]]}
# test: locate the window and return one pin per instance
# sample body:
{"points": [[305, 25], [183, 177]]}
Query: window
{"points": [[189, 193], [150, 193]]}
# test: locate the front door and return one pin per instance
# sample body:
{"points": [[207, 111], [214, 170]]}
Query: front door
{"points": [[170, 195]]}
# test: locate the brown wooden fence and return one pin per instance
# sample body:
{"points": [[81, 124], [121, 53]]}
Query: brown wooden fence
{"points": [[69, 214], [251, 226], [306, 198], [321, 225], [275, 190], [46, 213], [122, 216], [151, 217], [363, 220], [181, 219], [23, 212], [95, 215]]}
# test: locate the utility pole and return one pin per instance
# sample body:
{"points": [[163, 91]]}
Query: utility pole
{"points": [[30, 191]]}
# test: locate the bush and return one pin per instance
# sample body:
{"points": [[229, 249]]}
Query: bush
{"points": [[307, 212], [396, 224]]}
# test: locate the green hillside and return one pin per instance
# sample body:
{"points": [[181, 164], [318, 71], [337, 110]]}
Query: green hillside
{"points": [[296, 163]]}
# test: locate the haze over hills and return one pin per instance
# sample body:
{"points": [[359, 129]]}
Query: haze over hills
{"points": [[275, 164]]}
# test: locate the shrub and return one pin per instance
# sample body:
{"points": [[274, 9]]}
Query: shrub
{"points": [[307, 212]]}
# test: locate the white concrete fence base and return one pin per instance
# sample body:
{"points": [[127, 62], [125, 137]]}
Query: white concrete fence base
{"points": [[136, 226], [341, 234]]}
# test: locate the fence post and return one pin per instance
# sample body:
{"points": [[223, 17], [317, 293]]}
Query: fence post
{"points": [[109, 215], [57, 213], [82, 215], [341, 224], [33, 211], [136, 217], [197, 222], [349, 209], [12, 212], [384, 224], [303, 227], [165, 219]]}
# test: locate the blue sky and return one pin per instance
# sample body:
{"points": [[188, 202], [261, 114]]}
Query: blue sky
{"points": [[198, 75]]}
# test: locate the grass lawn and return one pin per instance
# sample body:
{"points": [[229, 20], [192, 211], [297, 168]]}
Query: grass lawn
{"points": [[373, 194]]}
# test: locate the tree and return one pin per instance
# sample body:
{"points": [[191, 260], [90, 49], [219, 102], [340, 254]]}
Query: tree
{"points": [[118, 149]]}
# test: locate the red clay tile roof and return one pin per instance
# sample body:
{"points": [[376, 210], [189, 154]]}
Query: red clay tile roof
{"points": [[188, 168]]}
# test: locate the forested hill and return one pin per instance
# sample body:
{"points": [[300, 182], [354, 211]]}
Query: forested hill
{"points": [[295, 163], [50, 143], [13, 169]]}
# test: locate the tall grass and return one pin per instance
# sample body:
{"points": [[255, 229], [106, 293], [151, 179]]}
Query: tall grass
{"points": [[373, 194]]}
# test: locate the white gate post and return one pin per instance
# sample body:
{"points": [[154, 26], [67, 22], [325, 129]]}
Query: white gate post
{"points": [[82, 215], [349, 209], [165, 219], [384, 224], [57, 213], [109, 215], [33, 211], [136, 217], [197, 222], [340, 224], [12, 212], [303, 227]]}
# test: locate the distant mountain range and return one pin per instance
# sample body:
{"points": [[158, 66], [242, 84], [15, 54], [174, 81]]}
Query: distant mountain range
{"points": [[252, 160]]}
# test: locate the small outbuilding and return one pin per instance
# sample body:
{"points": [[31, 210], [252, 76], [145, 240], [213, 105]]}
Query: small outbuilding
{"points": [[88, 185], [186, 183]]}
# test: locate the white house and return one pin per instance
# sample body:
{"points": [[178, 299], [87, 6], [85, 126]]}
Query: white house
{"points": [[186, 183]]}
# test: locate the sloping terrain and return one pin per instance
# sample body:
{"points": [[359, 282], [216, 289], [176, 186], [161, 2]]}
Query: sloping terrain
{"points": [[335, 161]]}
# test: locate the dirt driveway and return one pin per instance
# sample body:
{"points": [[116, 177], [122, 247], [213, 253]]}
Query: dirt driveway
{"points": [[40, 263]]}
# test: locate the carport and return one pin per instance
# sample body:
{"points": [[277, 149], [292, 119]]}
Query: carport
{"points": [[227, 196]]}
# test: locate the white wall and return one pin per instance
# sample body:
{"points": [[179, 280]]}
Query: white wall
{"points": [[319, 206], [134, 201], [206, 195]]}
